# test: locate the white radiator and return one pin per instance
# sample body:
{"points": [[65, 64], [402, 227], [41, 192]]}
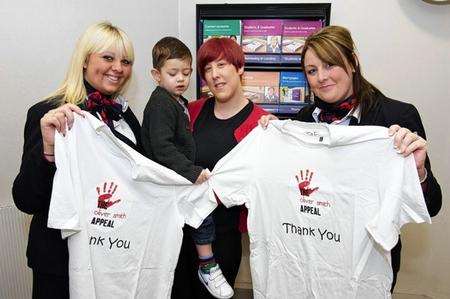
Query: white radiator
{"points": [[15, 276]]}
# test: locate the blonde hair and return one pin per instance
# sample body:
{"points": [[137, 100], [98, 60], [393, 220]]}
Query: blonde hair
{"points": [[97, 38], [334, 45]]}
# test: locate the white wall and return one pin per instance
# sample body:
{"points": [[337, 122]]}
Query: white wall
{"points": [[404, 48]]}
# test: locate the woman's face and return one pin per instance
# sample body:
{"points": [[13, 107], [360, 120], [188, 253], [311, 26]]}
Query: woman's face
{"points": [[107, 71], [223, 79], [331, 83]]}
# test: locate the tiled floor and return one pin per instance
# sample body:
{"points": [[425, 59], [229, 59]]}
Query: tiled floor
{"points": [[247, 294]]}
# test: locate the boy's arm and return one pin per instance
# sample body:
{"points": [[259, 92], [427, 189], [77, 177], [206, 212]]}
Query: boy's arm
{"points": [[158, 138]]}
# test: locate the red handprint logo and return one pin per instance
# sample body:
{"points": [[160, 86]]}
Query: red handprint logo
{"points": [[304, 181], [105, 195]]}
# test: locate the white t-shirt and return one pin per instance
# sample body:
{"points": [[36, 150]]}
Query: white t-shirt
{"points": [[123, 214], [325, 204]]}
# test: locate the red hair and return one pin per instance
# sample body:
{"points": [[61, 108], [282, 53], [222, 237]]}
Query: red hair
{"points": [[219, 48]]}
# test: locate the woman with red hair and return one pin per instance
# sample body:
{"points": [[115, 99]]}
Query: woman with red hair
{"points": [[218, 124]]}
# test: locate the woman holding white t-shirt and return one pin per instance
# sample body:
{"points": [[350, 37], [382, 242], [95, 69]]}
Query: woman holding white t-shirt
{"points": [[218, 124], [345, 97], [99, 70]]}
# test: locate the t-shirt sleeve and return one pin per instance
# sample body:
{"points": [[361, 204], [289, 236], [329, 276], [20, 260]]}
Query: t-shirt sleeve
{"points": [[234, 175], [195, 203], [64, 211], [401, 200]]}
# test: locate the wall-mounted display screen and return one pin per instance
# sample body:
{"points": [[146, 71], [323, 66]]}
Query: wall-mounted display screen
{"points": [[272, 37]]}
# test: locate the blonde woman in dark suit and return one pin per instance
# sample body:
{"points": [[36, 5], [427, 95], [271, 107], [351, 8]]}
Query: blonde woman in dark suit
{"points": [[99, 70]]}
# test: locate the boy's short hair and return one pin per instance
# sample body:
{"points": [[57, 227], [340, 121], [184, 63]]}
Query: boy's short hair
{"points": [[169, 48]]}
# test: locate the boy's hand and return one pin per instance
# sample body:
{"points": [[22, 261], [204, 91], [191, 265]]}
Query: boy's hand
{"points": [[203, 176]]}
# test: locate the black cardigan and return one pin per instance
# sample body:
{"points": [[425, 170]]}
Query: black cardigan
{"points": [[46, 251], [166, 135], [387, 112]]}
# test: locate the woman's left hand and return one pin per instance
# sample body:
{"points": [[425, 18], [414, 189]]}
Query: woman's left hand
{"points": [[407, 142]]}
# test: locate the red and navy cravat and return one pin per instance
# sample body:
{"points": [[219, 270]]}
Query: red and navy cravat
{"points": [[106, 107], [336, 111]]}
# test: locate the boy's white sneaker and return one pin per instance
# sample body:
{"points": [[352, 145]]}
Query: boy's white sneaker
{"points": [[216, 283]]}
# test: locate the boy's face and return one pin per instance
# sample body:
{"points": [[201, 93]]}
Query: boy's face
{"points": [[174, 76]]}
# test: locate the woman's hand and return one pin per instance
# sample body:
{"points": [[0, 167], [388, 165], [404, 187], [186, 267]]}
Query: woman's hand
{"points": [[407, 142], [58, 119], [264, 120]]}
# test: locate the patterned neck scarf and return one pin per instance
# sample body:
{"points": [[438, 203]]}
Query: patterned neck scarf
{"points": [[106, 107], [335, 111]]}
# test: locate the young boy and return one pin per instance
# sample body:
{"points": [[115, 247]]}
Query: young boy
{"points": [[167, 140]]}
